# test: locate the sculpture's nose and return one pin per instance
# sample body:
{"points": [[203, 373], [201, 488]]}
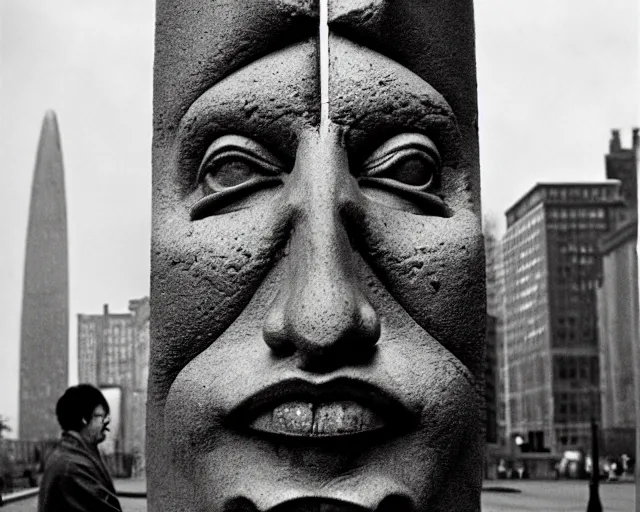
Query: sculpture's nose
{"points": [[321, 314]]}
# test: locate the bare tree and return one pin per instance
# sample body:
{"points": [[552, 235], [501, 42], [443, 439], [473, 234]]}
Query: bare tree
{"points": [[4, 426]]}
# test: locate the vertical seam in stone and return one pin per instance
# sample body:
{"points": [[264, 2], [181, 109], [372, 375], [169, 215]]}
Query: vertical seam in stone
{"points": [[324, 66]]}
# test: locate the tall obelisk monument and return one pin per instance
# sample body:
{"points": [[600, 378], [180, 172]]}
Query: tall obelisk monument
{"points": [[44, 340]]}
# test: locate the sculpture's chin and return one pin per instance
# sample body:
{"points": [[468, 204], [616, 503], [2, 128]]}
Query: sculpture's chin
{"points": [[261, 477]]}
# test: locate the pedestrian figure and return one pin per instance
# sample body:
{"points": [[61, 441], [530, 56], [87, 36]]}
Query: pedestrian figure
{"points": [[75, 477]]}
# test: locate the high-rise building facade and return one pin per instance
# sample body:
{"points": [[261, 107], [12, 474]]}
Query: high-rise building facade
{"points": [[106, 348], [552, 269], [44, 341], [618, 319], [113, 350], [494, 379], [619, 352], [490, 379]]}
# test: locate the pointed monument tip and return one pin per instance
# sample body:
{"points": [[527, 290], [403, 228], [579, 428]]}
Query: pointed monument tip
{"points": [[49, 125], [50, 117], [49, 152]]}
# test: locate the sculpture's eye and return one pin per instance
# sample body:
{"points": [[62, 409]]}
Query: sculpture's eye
{"points": [[233, 167], [412, 159], [403, 173], [228, 174], [411, 167]]}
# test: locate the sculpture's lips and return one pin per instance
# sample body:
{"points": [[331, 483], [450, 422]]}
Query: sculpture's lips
{"points": [[337, 408]]}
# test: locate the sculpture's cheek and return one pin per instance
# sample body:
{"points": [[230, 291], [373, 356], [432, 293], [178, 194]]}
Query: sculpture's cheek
{"points": [[433, 267], [207, 272]]}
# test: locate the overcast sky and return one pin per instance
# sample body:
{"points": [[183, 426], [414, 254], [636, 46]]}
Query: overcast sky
{"points": [[554, 77]]}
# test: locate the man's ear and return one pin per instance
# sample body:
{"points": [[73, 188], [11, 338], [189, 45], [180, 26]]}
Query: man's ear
{"points": [[84, 422]]}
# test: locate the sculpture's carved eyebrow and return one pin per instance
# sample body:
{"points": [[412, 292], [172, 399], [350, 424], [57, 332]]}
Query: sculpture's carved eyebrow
{"points": [[375, 97]]}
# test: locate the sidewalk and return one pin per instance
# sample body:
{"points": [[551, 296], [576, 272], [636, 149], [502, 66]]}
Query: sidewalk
{"points": [[130, 486]]}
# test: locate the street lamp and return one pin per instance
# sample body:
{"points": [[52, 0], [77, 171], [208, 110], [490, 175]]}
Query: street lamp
{"points": [[594, 497]]}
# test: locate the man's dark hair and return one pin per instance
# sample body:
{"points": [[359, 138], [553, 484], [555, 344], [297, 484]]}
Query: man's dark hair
{"points": [[77, 404]]}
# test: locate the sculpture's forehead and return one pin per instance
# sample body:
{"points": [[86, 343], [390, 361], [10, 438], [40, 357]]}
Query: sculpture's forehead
{"points": [[200, 43], [276, 97]]}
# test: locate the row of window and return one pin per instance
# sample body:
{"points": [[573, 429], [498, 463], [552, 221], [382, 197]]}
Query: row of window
{"points": [[580, 193], [512, 235], [562, 193], [576, 213], [576, 247], [571, 226], [524, 237], [573, 338], [572, 261], [583, 368], [566, 440], [529, 264], [575, 407]]}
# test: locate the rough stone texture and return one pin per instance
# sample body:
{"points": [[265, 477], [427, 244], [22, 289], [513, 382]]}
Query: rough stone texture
{"points": [[336, 273], [44, 342]]}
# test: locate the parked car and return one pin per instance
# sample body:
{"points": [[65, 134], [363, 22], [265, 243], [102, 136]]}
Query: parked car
{"points": [[572, 465]]}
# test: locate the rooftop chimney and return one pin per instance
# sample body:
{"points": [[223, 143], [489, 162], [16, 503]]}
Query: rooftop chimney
{"points": [[614, 143], [635, 138]]}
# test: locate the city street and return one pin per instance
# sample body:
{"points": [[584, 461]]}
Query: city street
{"points": [[562, 496], [565, 496], [128, 504], [31, 505]]}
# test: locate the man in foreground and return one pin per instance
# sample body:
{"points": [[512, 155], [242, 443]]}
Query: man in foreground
{"points": [[75, 477]]}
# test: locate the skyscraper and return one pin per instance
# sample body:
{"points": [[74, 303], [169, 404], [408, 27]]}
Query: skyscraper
{"points": [[552, 269], [44, 339], [495, 378]]}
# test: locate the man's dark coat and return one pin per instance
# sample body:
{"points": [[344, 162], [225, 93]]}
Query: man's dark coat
{"points": [[76, 480]]}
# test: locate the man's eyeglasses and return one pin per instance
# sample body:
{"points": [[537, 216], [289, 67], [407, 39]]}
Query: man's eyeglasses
{"points": [[104, 415]]}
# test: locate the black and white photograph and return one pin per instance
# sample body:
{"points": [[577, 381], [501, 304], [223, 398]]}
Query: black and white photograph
{"points": [[319, 255]]}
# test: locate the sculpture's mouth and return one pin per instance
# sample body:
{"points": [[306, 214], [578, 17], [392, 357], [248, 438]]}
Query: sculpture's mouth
{"points": [[337, 408], [334, 418]]}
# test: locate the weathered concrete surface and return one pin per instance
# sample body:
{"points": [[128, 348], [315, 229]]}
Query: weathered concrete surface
{"points": [[44, 341], [317, 303]]}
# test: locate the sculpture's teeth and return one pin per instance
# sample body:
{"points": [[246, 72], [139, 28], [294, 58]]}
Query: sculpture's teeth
{"points": [[344, 418], [292, 417], [327, 419]]}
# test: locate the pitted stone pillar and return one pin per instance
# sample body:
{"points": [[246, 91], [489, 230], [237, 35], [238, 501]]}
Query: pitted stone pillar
{"points": [[317, 302]]}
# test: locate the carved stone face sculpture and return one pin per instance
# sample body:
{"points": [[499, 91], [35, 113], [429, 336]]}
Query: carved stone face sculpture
{"points": [[317, 266]]}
